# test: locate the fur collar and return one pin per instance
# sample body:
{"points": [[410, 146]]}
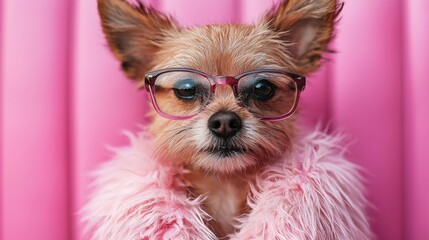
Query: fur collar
{"points": [[313, 194]]}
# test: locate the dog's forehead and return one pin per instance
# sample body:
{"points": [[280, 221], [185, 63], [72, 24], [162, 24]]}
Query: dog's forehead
{"points": [[224, 49]]}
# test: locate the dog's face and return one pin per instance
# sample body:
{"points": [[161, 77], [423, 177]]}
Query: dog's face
{"points": [[225, 136]]}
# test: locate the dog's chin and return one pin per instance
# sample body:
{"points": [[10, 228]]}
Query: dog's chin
{"points": [[225, 160], [224, 152]]}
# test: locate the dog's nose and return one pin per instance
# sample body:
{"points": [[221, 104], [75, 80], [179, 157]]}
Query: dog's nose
{"points": [[224, 124]]}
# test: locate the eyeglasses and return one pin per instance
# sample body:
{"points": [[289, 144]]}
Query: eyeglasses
{"points": [[181, 93]]}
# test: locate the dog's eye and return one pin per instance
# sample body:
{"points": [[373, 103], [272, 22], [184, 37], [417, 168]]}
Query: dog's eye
{"points": [[185, 89], [263, 90]]}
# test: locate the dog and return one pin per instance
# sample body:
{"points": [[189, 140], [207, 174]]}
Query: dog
{"points": [[225, 101]]}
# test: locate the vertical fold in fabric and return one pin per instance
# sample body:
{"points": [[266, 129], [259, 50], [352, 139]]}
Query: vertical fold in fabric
{"points": [[367, 103], [34, 135], [2, 193], [104, 103], [416, 119]]}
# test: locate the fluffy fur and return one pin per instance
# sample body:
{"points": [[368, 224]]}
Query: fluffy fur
{"points": [[314, 193]]}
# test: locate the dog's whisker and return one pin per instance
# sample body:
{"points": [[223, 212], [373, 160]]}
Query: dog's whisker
{"points": [[177, 132]]}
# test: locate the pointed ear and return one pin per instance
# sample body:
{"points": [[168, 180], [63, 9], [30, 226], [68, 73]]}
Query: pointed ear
{"points": [[306, 26], [134, 34]]}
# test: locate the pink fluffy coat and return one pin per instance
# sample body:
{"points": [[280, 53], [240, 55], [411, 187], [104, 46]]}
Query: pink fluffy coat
{"points": [[314, 193]]}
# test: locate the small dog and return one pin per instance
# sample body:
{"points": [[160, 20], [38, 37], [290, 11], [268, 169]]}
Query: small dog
{"points": [[224, 100]]}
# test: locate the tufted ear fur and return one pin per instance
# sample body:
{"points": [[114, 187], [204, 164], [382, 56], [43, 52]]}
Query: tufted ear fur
{"points": [[134, 34], [306, 26]]}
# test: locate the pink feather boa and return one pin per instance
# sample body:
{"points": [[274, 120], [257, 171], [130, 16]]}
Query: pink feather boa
{"points": [[313, 194]]}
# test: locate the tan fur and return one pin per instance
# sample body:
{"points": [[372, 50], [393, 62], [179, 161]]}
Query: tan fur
{"points": [[291, 37], [226, 197]]}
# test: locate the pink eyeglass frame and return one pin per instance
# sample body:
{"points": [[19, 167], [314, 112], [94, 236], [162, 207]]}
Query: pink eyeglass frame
{"points": [[214, 81]]}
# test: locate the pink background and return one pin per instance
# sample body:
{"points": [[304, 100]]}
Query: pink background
{"points": [[63, 99]]}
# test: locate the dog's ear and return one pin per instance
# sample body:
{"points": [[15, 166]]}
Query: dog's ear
{"points": [[134, 34], [306, 27]]}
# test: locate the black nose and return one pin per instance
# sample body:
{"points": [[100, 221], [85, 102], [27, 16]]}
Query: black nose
{"points": [[224, 124]]}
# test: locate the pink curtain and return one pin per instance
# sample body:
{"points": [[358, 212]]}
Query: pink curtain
{"points": [[63, 100]]}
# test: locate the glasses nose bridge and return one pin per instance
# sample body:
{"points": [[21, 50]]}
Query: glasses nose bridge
{"points": [[224, 80]]}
